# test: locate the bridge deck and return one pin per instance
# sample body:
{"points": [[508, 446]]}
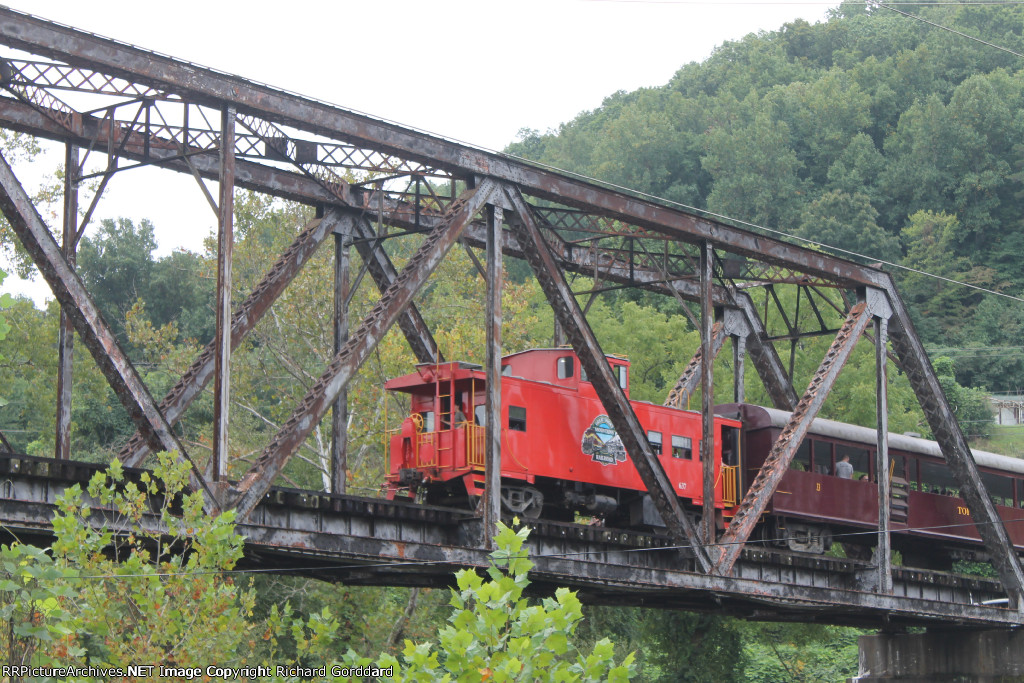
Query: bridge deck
{"points": [[373, 541]]}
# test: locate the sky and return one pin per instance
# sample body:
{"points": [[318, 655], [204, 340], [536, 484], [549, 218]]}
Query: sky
{"points": [[473, 71]]}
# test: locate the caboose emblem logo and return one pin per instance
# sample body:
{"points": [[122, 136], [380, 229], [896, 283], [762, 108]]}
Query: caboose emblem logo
{"points": [[602, 443]]}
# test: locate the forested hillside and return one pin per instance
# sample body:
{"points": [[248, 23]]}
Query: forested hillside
{"points": [[872, 132]]}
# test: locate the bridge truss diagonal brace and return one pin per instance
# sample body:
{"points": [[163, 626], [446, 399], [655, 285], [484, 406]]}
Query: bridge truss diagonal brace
{"points": [[252, 310], [87, 320], [258, 480], [953, 444], [567, 311], [777, 463], [692, 374]]}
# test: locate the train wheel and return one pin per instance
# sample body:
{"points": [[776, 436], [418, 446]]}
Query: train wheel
{"points": [[522, 500]]}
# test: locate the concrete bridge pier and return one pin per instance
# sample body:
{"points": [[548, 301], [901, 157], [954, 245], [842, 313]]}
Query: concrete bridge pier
{"points": [[948, 655]]}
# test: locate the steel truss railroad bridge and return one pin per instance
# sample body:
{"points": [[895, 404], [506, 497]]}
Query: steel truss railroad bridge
{"points": [[163, 112]]}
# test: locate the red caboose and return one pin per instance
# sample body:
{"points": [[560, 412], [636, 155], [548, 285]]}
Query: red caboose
{"points": [[560, 453]]}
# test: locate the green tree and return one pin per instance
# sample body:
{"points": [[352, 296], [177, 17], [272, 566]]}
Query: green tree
{"points": [[496, 634], [848, 222], [969, 405], [755, 170]]}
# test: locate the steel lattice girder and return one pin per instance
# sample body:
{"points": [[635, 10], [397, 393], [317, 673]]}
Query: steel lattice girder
{"points": [[615, 403], [211, 88], [250, 490]]}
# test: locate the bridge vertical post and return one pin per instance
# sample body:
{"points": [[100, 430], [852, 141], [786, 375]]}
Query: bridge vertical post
{"points": [[492, 405], [66, 334], [225, 243], [881, 311], [339, 411], [739, 352], [707, 361]]}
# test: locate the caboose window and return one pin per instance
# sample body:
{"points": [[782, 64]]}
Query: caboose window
{"points": [[517, 418], [428, 420], [566, 367], [620, 373], [480, 415], [654, 438], [682, 447]]}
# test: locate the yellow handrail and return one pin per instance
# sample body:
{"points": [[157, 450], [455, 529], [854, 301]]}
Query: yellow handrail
{"points": [[729, 473]]}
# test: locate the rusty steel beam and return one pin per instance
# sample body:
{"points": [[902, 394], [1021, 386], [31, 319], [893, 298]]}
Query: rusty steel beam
{"points": [[593, 360], [339, 411], [205, 86], [767, 362], [222, 297], [252, 310], [755, 501], [946, 430], [250, 490], [492, 401], [762, 352], [883, 550], [251, 176], [75, 300], [707, 367], [66, 332], [739, 350], [687, 383]]}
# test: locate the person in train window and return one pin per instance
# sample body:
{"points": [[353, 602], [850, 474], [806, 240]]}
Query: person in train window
{"points": [[844, 470], [460, 415]]}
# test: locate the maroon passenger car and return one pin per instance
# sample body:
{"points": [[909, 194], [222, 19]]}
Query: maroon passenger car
{"points": [[811, 503]]}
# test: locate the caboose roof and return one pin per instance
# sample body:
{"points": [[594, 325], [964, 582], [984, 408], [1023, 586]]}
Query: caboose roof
{"points": [[557, 349]]}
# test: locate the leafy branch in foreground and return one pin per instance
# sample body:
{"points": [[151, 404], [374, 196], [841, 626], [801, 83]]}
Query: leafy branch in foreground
{"points": [[140, 574], [495, 634]]}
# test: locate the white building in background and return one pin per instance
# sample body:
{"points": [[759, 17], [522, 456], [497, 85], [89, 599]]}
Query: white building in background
{"points": [[1007, 409]]}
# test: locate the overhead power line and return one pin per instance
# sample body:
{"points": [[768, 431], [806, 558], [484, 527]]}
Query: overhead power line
{"points": [[891, 8]]}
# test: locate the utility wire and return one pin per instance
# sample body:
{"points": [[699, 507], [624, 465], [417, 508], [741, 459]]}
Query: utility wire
{"points": [[889, 6]]}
